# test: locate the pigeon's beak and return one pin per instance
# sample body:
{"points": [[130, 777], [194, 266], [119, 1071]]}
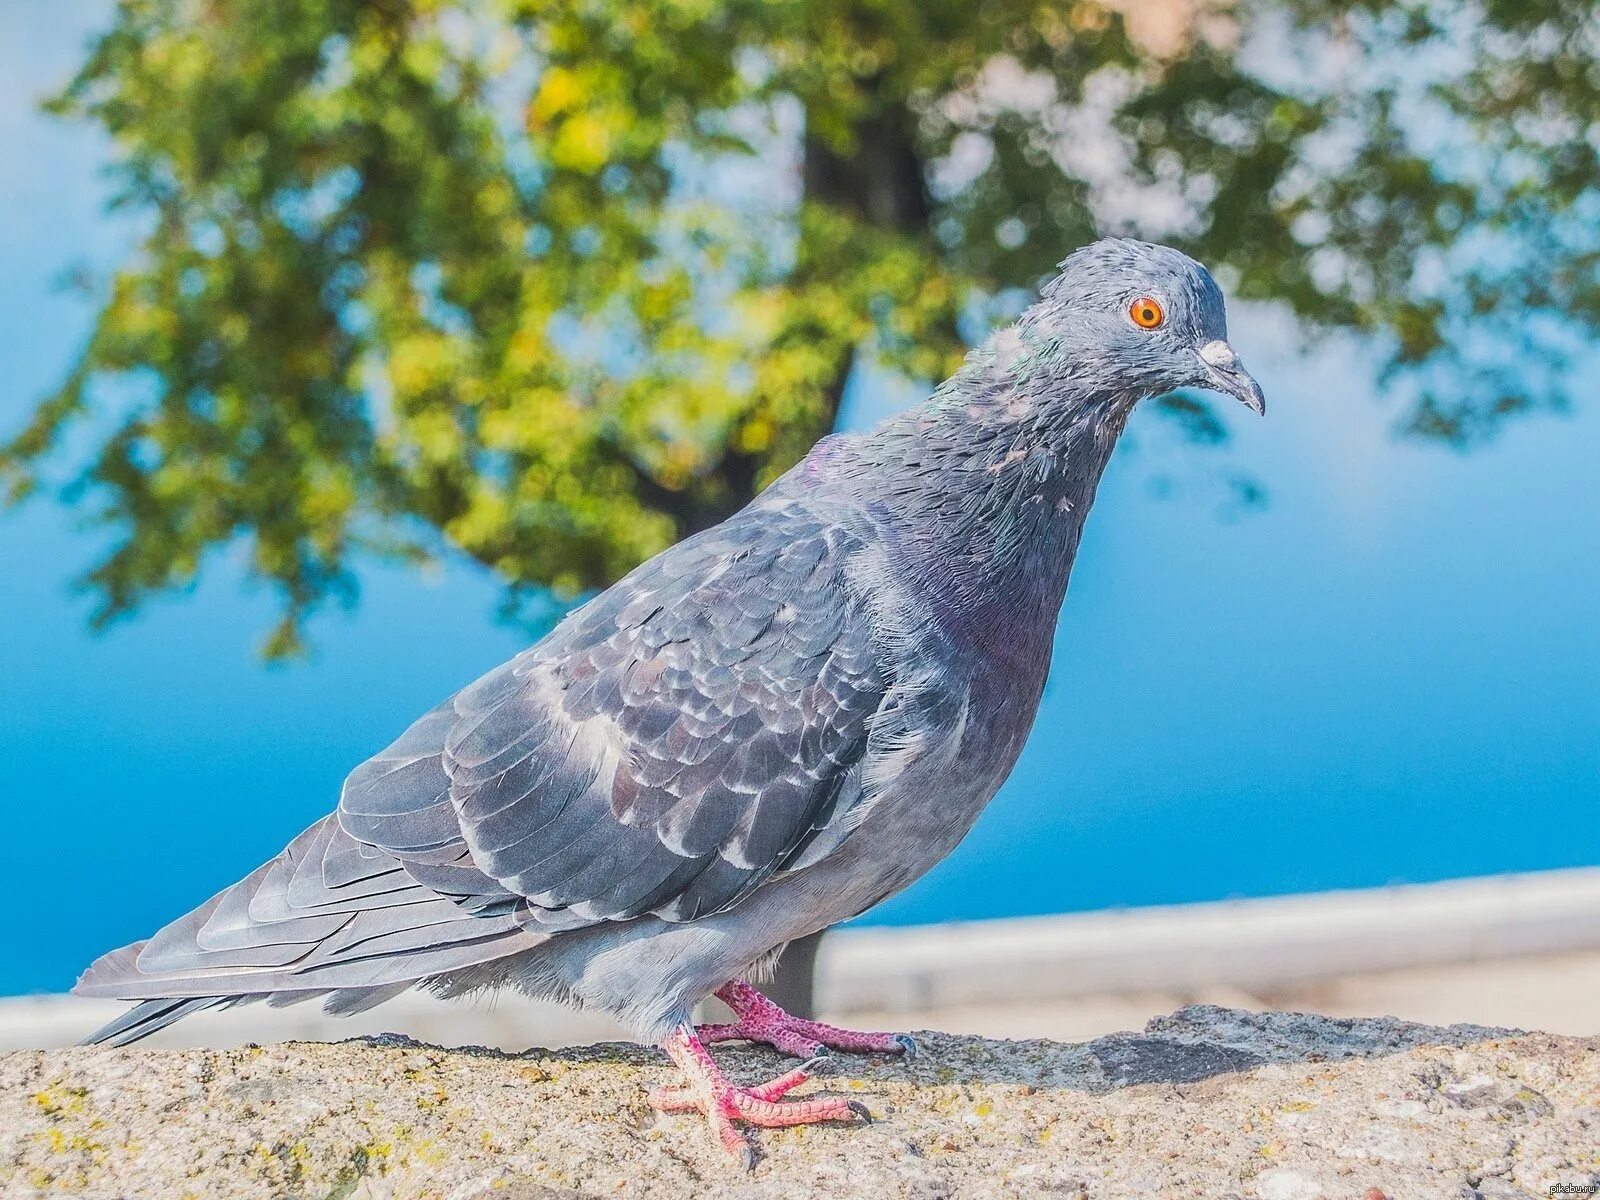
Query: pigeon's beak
{"points": [[1228, 375]]}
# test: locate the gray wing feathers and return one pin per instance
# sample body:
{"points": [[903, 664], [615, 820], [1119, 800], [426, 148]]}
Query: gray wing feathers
{"points": [[667, 749], [276, 931], [400, 799]]}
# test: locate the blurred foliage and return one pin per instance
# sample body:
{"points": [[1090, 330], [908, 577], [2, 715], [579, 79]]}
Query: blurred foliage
{"points": [[555, 282]]}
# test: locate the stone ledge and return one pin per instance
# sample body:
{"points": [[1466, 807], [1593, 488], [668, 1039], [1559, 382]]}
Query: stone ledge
{"points": [[1208, 1102]]}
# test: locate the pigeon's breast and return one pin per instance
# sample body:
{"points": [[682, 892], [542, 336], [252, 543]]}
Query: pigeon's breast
{"points": [[918, 817], [947, 738], [971, 674]]}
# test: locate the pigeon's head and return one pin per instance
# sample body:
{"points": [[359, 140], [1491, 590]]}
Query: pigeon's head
{"points": [[1145, 319]]}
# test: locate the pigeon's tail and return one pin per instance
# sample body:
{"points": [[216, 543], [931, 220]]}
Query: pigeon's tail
{"points": [[329, 918], [152, 1016], [146, 1018]]}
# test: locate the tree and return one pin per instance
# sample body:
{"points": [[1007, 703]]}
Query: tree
{"points": [[556, 282]]}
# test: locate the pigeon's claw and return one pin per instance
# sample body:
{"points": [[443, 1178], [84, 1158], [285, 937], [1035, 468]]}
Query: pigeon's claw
{"points": [[760, 1020], [726, 1107]]}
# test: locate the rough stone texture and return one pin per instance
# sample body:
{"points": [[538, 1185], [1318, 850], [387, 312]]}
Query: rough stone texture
{"points": [[1208, 1102]]}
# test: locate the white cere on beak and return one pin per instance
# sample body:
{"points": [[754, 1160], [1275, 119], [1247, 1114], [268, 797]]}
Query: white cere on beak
{"points": [[1218, 354]]}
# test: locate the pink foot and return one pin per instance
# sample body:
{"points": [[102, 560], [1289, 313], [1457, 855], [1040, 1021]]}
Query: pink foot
{"points": [[709, 1091], [760, 1020]]}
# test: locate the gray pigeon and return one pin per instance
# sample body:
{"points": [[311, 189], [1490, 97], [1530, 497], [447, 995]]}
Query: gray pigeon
{"points": [[761, 732]]}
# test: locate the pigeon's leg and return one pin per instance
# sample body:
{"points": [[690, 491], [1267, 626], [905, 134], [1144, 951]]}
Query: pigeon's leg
{"points": [[760, 1020], [726, 1106]]}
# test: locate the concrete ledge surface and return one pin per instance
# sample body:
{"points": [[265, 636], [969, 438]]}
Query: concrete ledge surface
{"points": [[1208, 1101]]}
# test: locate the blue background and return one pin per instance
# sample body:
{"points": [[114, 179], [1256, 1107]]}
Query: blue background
{"points": [[1391, 671]]}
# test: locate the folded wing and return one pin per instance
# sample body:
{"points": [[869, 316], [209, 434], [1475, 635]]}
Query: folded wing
{"points": [[665, 750]]}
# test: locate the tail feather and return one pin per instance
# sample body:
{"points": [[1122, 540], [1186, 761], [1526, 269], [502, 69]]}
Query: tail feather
{"points": [[146, 1018], [152, 1016], [346, 1002]]}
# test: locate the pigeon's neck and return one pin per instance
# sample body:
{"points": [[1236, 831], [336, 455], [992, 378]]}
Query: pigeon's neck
{"points": [[984, 490]]}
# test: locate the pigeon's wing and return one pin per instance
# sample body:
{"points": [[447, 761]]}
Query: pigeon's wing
{"points": [[328, 913], [667, 749]]}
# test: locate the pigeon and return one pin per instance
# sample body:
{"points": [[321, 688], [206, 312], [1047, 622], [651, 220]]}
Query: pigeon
{"points": [[764, 730]]}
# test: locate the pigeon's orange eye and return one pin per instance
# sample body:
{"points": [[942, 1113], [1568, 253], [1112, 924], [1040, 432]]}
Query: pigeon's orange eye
{"points": [[1146, 312]]}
